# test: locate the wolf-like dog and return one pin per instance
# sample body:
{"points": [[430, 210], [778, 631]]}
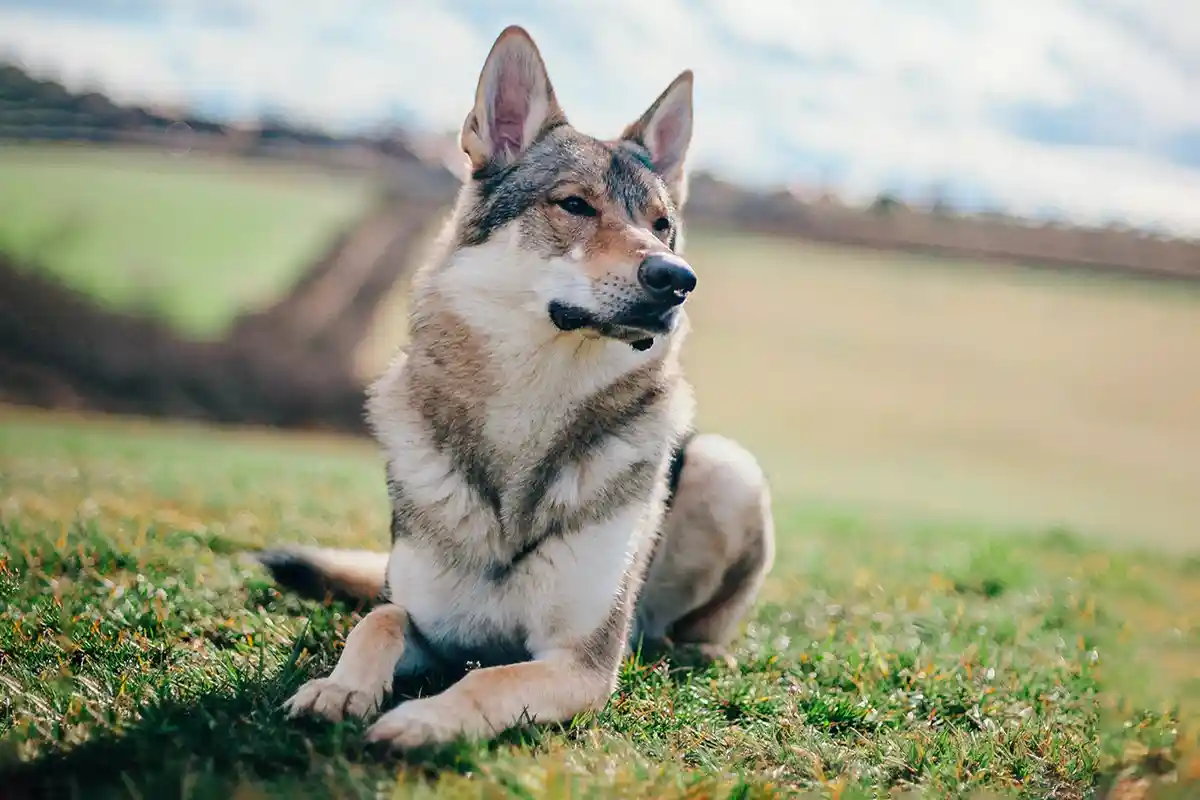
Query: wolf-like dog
{"points": [[551, 506]]}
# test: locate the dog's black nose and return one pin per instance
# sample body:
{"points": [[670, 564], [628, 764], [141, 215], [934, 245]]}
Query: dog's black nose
{"points": [[667, 277]]}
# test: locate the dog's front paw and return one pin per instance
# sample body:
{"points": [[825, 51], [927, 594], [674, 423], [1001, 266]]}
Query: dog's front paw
{"points": [[334, 701], [420, 722]]}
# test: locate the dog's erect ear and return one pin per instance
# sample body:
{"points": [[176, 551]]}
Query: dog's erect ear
{"points": [[665, 131], [514, 102]]}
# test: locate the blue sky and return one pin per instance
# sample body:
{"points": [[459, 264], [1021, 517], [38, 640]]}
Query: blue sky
{"points": [[1087, 107]]}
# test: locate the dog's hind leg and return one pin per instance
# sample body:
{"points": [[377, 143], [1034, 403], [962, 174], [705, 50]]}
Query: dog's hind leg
{"points": [[364, 671], [714, 623], [718, 543]]}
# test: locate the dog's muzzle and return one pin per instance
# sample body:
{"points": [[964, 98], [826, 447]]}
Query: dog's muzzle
{"points": [[666, 280]]}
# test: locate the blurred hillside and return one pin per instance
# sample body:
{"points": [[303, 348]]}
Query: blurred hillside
{"points": [[33, 109], [292, 344], [153, 263], [42, 110]]}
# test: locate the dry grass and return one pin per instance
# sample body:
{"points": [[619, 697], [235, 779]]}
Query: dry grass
{"points": [[937, 387]]}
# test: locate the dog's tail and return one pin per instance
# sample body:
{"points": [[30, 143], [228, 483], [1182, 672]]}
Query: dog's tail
{"points": [[355, 577]]}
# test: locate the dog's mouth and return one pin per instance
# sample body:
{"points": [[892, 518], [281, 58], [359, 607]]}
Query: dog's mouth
{"points": [[637, 326]]}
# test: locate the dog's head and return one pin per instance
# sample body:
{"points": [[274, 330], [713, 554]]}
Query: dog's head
{"points": [[579, 232]]}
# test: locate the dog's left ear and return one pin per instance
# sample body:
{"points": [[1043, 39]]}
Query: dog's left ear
{"points": [[665, 131], [514, 102]]}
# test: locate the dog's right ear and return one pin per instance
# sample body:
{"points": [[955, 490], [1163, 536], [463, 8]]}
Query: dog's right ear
{"points": [[514, 102], [665, 131]]}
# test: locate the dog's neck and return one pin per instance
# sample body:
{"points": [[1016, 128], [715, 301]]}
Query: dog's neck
{"points": [[522, 390]]}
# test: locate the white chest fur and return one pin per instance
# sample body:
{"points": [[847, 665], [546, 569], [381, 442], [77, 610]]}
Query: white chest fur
{"points": [[560, 594]]}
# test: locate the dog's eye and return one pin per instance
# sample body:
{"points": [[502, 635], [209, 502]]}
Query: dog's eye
{"points": [[576, 205], [662, 224]]}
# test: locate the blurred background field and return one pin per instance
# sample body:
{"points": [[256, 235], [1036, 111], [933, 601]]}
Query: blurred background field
{"points": [[994, 409], [143, 229], [904, 381]]}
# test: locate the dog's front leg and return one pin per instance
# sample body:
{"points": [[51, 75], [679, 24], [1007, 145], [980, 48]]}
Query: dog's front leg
{"points": [[487, 701], [363, 674]]}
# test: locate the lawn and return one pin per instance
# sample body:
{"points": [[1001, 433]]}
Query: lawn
{"points": [[190, 237], [143, 657]]}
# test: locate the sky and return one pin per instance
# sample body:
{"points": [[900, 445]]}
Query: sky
{"points": [[1085, 109]]}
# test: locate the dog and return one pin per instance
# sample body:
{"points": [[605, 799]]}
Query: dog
{"points": [[552, 508]]}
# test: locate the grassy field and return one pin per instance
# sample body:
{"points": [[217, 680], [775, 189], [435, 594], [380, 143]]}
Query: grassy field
{"points": [[143, 657], [191, 237], [989, 561]]}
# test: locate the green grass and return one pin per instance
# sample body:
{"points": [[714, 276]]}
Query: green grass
{"points": [[141, 656], [192, 238]]}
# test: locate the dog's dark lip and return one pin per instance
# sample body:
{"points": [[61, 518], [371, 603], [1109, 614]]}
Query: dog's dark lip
{"points": [[655, 322], [570, 318], [637, 330]]}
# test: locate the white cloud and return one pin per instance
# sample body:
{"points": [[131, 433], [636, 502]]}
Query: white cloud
{"points": [[278, 59], [883, 87]]}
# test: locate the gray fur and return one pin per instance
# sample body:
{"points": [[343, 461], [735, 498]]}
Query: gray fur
{"points": [[504, 194]]}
